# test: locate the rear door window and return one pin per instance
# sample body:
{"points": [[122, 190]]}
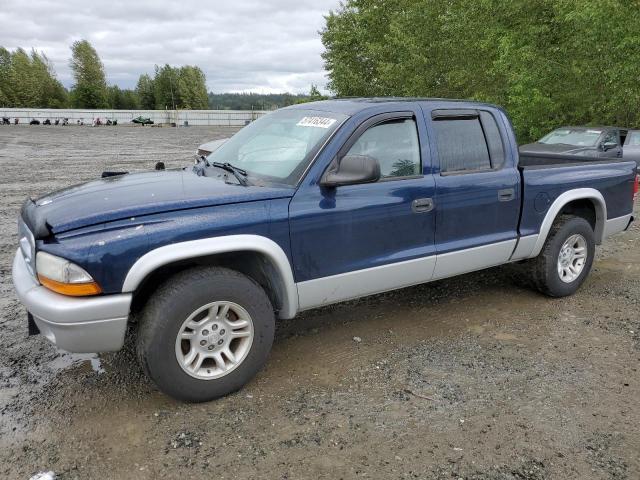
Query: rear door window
{"points": [[468, 142]]}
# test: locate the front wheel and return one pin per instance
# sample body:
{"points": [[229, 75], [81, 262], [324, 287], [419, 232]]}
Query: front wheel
{"points": [[205, 333], [566, 258]]}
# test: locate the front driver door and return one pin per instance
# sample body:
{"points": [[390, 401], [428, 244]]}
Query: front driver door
{"points": [[354, 240]]}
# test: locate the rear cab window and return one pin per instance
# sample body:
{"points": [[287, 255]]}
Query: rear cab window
{"points": [[467, 141]]}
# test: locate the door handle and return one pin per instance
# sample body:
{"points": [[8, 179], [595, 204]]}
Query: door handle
{"points": [[421, 205], [506, 195]]}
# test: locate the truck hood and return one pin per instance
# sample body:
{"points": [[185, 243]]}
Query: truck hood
{"points": [[133, 195], [556, 148]]}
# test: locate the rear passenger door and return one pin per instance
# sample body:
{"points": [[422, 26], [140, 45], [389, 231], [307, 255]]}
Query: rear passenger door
{"points": [[477, 190]]}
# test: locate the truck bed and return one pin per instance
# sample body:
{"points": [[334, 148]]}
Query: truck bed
{"points": [[545, 177]]}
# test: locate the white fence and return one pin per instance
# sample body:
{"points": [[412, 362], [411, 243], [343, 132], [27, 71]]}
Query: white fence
{"points": [[231, 118]]}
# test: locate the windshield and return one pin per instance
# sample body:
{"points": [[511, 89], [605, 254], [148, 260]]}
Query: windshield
{"points": [[278, 147], [570, 136], [633, 140]]}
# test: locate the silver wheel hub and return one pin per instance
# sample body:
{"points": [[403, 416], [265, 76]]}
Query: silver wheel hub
{"points": [[214, 340], [572, 258]]}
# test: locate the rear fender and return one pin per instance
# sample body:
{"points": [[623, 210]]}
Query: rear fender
{"points": [[567, 197]]}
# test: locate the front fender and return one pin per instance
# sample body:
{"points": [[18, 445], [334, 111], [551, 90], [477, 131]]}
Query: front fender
{"points": [[167, 254]]}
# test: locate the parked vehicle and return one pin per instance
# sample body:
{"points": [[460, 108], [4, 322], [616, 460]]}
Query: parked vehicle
{"points": [[310, 205], [206, 149], [34, 122], [142, 120], [586, 141], [632, 146]]}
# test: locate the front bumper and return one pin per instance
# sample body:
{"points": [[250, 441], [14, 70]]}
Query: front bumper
{"points": [[82, 325]]}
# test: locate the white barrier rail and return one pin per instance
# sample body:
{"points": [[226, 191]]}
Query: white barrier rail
{"points": [[231, 118]]}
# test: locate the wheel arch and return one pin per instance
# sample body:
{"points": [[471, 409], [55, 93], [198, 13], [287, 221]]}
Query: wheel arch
{"points": [[253, 255], [587, 203]]}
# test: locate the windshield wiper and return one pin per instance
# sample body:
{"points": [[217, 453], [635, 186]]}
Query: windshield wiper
{"points": [[239, 173]]}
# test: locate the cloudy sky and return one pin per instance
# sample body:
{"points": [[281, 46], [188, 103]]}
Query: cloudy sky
{"points": [[243, 45]]}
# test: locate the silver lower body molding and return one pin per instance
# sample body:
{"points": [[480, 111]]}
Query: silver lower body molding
{"points": [[346, 286], [350, 285]]}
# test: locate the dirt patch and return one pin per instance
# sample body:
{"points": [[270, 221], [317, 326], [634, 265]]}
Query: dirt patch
{"points": [[470, 377]]}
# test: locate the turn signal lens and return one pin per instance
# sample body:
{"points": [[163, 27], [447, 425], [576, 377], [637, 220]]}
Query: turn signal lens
{"points": [[71, 289], [64, 277], [635, 187]]}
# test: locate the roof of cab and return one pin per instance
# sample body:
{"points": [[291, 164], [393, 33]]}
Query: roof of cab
{"points": [[351, 106]]}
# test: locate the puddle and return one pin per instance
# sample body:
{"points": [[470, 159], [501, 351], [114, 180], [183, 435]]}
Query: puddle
{"points": [[69, 360]]}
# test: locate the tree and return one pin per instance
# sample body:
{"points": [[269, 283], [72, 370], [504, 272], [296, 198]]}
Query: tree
{"points": [[165, 87], [5, 69], [183, 87], [51, 92], [145, 91], [23, 84], [192, 88], [130, 100], [549, 62], [90, 89]]}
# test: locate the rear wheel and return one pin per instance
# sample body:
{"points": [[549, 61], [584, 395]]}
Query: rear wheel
{"points": [[566, 258], [205, 333]]}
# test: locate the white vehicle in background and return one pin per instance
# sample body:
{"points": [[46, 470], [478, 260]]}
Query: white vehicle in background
{"points": [[206, 148], [631, 147]]}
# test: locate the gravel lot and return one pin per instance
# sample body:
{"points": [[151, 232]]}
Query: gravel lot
{"points": [[472, 377]]}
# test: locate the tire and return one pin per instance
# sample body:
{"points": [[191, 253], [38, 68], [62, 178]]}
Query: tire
{"points": [[547, 271], [192, 298]]}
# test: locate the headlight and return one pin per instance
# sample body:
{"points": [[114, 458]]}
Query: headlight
{"points": [[203, 153], [64, 277]]}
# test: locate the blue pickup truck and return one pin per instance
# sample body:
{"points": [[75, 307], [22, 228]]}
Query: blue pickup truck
{"points": [[310, 205]]}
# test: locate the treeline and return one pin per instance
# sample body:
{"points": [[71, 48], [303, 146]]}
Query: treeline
{"points": [[253, 101], [257, 101], [28, 80], [548, 62]]}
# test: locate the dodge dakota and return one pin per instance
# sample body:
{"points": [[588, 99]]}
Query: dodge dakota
{"points": [[309, 205]]}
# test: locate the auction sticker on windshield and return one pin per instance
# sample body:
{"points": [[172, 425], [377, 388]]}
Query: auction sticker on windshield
{"points": [[318, 122]]}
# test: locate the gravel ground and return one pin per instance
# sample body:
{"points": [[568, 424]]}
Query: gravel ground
{"points": [[472, 377]]}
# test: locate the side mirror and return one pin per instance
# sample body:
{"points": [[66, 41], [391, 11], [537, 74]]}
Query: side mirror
{"points": [[609, 145], [351, 170]]}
